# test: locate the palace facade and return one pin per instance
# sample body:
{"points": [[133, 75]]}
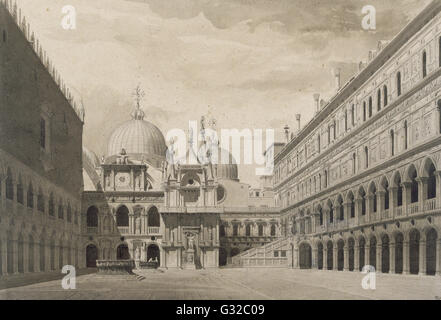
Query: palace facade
{"points": [[360, 184]]}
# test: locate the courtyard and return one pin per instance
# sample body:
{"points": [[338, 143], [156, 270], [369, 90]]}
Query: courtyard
{"points": [[233, 284]]}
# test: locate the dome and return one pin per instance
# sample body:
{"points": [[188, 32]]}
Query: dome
{"points": [[138, 137]]}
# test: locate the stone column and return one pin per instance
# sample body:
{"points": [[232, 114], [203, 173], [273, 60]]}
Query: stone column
{"points": [[381, 198], [325, 257], [356, 258], [15, 258], [422, 191], [131, 223], [393, 192], [4, 254], [406, 195], [296, 264], [392, 257], [367, 261], [346, 258], [379, 258], [314, 258], [405, 257], [26, 254], [422, 258], [438, 256], [335, 257]]}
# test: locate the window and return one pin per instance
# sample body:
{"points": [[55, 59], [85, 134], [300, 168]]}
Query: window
{"points": [[92, 217], [321, 216], [370, 107], [364, 111], [329, 134], [354, 157], [60, 211], [248, 230], [9, 186], [235, 230], [363, 202], [30, 197], [405, 136], [334, 125], [326, 178], [40, 201], [392, 143], [331, 213], [431, 183], [20, 192], [318, 140], [346, 120], [379, 100], [122, 216], [273, 230], [385, 96], [399, 83], [260, 230], [352, 204], [51, 205], [424, 64], [42, 133], [386, 196], [366, 154]]}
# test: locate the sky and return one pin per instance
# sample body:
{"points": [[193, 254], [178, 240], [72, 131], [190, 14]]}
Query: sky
{"points": [[246, 63]]}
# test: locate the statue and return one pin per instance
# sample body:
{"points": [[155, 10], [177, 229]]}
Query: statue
{"points": [[143, 252], [190, 241]]}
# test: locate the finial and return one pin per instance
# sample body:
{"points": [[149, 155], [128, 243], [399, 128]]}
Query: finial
{"points": [[139, 94]]}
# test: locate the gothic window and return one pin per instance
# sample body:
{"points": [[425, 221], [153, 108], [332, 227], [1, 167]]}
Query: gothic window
{"points": [[30, 197], [413, 187], [386, 196], [9, 186], [153, 219], [424, 64], [363, 202]]}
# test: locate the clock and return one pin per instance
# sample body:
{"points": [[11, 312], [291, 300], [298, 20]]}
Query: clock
{"points": [[122, 180]]}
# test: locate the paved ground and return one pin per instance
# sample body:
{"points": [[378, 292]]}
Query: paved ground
{"points": [[234, 284]]}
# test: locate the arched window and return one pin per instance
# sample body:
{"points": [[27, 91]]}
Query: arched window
{"points": [[40, 201], [354, 168], [9, 186], [341, 209], [363, 202], [248, 230], [364, 111], [352, 205], [399, 191], [406, 142], [69, 213], [386, 195], [153, 217], [431, 183], [392, 142], [92, 217], [353, 115], [30, 196], [379, 100], [20, 198], [321, 216], [51, 205], [370, 107], [414, 186], [326, 178], [60, 211], [366, 157], [399, 83], [374, 199], [385, 96], [273, 230], [122, 217], [424, 63], [331, 213], [260, 230]]}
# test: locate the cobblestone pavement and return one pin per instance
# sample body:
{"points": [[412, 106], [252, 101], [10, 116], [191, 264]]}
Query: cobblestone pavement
{"points": [[246, 284]]}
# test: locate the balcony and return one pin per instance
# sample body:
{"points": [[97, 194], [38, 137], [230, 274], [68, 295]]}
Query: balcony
{"points": [[385, 215], [399, 212], [153, 230], [92, 230], [413, 208], [123, 230], [430, 205]]}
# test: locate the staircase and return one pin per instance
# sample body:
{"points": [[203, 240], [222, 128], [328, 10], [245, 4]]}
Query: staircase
{"points": [[274, 254]]}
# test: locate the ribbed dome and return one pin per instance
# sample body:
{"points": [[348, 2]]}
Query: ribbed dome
{"points": [[137, 137]]}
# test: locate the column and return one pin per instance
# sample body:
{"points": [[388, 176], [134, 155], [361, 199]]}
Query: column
{"points": [[314, 258], [366, 254], [392, 257], [379, 257], [380, 203], [15, 258], [335, 257], [422, 258], [296, 264], [438, 256], [406, 195], [392, 200], [422, 191], [26, 254], [131, 224], [346, 257], [356, 258], [325, 257], [4, 253], [405, 257]]}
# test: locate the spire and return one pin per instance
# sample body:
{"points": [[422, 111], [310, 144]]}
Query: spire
{"points": [[138, 94]]}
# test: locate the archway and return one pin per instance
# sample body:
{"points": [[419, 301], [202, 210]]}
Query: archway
{"points": [[122, 252], [351, 255], [373, 252], [122, 217], [320, 256], [431, 237], [414, 251], [340, 255], [153, 253], [399, 239], [361, 251], [153, 217], [305, 252], [91, 256], [329, 258], [222, 257], [385, 263]]}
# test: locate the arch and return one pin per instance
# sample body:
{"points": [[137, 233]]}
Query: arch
{"points": [[399, 240], [92, 217], [122, 216], [373, 251], [361, 252], [122, 252], [91, 256], [431, 238], [412, 174], [373, 192], [385, 254], [384, 183], [362, 197], [340, 255], [396, 183], [329, 256], [305, 253], [414, 251], [320, 256], [351, 200], [153, 254], [351, 253], [153, 218]]}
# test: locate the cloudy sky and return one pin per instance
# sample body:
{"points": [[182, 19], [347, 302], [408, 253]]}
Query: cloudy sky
{"points": [[247, 63]]}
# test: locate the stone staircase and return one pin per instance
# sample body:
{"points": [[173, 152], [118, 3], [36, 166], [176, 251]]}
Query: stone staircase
{"points": [[274, 254]]}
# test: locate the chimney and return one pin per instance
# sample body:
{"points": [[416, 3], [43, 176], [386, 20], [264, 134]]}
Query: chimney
{"points": [[317, 102], [286, 133], [337, 75], [298, 116]]}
